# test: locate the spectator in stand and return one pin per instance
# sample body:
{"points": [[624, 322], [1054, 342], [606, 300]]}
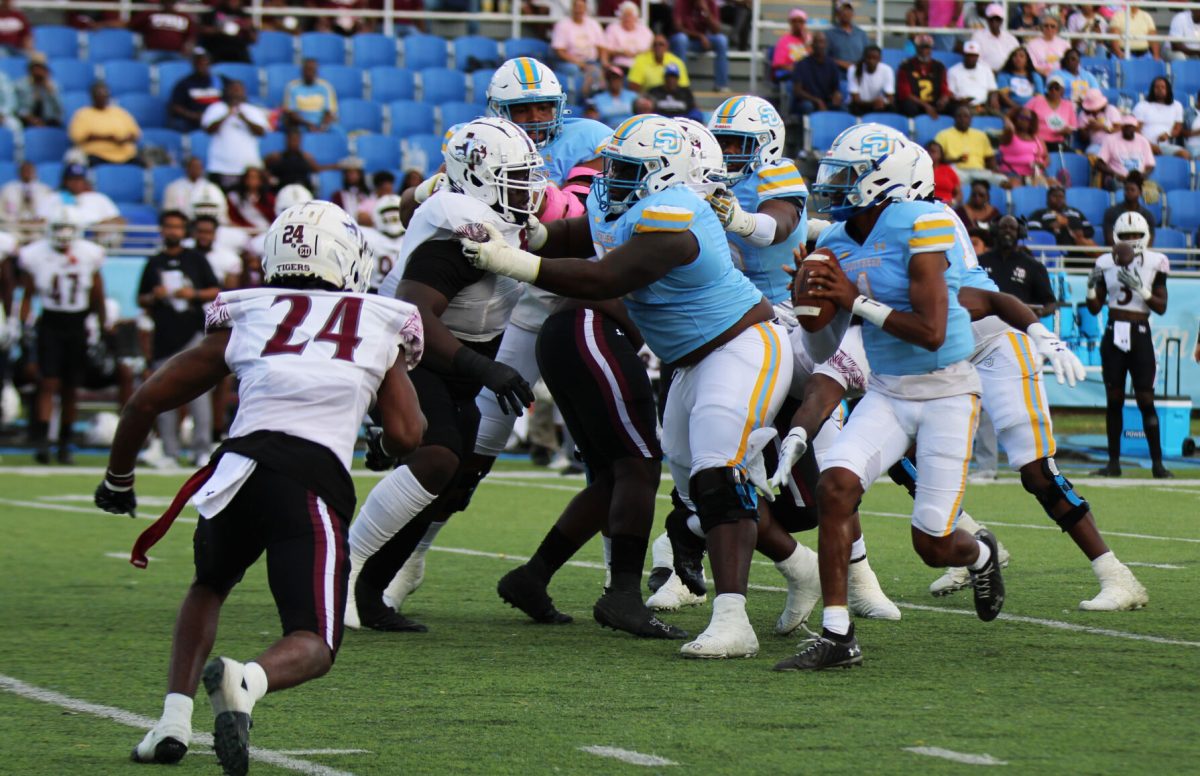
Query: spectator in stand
{"points": [[673, 100], [235, 126], [20, 199], [737, 14], [310, 102], [38, 104], [578, 42], [92, 20], [107, 134], [1140, 25], [945, 13], [179, 193], [916, 16], [647, 71], [1161, 117], [1017, 82], [816, 81], [1047, 51], [167, 32], [1056, 115], [995, 43], [921, 85], [193, 94], [969, 150], [846, 41], [1022, 153], [1087, 20], [973, 84], [946, 184], [293, 164], [354, 192], [1097, 120], [977, 211], [627, 36], [871, 83], [1185, 24], [251, 202], [15, 36], [290, 24], [1068, 225], [92, 207], [792, 47], [1025, 16], [698, 28], [1078, 80], [615, 103], [1132, 187], [8, 104], [227, 32], [1126, 153]]}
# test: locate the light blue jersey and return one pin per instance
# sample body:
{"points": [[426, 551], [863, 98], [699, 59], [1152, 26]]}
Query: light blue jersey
{"points": [[879, 267], [693, 303], [764, 266], [578, 142], [963, 254]]}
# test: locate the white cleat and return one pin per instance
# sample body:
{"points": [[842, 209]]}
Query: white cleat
{"points": [[803, 577], [866, 597], [673, 595], [165, 744], [1119, 591], [953, 580], [729, 634], [231, 704], [407, 580]]}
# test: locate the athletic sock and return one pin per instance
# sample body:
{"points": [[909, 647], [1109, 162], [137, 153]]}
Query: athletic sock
{"points": [[1150, 426], [836, 620], [858, 550], [628, 560], [729, 602], [1104, 565], [177, 710], [985, 554], [606, 543], [254, 679], [391, 505], [427, 540], [555, 550], [1114, 424], [661, 553], [967, 523], [693, 524]]}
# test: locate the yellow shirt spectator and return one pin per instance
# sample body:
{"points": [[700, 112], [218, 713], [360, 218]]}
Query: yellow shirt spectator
{"points": [[1141, 24], [973, 143], [103, 131], [647, 73]]}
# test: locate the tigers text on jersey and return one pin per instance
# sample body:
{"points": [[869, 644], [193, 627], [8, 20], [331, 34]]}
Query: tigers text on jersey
{"points": [[63, 279], [385, 251], [694, 303], [480, 311], [309, 363], [1149, 265], [764, 266]]}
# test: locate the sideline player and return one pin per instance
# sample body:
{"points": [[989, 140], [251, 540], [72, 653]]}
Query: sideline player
{"points": [[311, 352], [663, 249], [385, 239]]}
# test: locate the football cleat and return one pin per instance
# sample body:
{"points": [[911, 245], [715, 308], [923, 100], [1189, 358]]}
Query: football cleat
{"points": [[373, 613], [624, 611], [231, 706], [803, 577], [658, 577], [688, 551], [953, 580], [1119, 591], [827, 650], [407, 580], [866, 597], [988, 584], [673, 595], [520, 589], [1161, 472], [729, 634], [165, 744], [1108, 470]]}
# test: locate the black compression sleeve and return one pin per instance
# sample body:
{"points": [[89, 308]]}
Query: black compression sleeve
{"points": [[440, 264]]}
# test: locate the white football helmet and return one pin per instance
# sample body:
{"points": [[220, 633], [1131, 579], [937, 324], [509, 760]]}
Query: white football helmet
{"points": [[867, 164], [1131, 227], [317, 239], [64, 227], [492, 160], [756, 124], [291, 195], [209, 200], [706, 168], [526, 80], [386, 216], [646, 154]]}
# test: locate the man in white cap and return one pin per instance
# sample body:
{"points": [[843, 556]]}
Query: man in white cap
{"points": [[1127, 152], [971, 84], [995, 43]]}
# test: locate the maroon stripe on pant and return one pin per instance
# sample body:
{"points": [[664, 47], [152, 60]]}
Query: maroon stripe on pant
{"points": [[626, 394]]}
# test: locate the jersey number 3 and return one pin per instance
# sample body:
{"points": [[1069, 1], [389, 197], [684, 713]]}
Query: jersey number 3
{"points": [[341, 328]]}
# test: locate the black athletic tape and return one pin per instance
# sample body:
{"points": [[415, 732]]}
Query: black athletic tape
{"points": [[722, 495]]}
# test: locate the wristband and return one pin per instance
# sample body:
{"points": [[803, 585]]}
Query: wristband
{"points": [[764, 231], [118, 483], [870, 310]]}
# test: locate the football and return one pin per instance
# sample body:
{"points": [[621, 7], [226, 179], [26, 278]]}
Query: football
{"points": [[1123, 254], [814, 314]]}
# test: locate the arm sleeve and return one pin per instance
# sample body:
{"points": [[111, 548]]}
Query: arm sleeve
{"points": [[441, 265]]}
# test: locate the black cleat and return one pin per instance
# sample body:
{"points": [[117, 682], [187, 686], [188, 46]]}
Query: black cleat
{"points": [[65, 458], [520, 589], [658, 577], [989, 586], [689, 553], [828, 650], [1110, 469], [167, 752], [1161, 472], [373, 613], [625, 611], [231, 728], [42, 454]]}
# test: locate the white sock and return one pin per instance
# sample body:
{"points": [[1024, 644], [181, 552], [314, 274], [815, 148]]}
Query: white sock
{"points": [[427, 540], [255, 680], [693, 525], [607, 542], [661, 554], [177, 710], [1103, 565], [858, 550], [729, 602], [392, 503], [967, 523], [836, 619], [793, 565], [985, 554]]}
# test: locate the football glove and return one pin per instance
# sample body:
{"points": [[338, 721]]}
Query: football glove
{"points": [[535, 233], [115, 495], [1093, 280], [1066, 365], [756, 468], [378, 459], [427, 187], [1133, 281], [795, 445], [513, 394], [730, 214], [494, 254]]}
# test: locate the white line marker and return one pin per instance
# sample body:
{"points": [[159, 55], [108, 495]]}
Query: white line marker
{"points": [[83, 511], [125, 556], [295, 752], [120, 716], [1054, 528], [86, 498], [1152, 565], [627, 756], [958, 757]]}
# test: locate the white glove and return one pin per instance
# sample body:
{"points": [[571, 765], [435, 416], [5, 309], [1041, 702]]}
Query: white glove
{"points": [[1133, 281], [815, 227], [427, 187], [1093, 280], [1065, 363], [795, 445], [729, 212], [535, 233], [786, 314], [485, 247], [756, 468]]}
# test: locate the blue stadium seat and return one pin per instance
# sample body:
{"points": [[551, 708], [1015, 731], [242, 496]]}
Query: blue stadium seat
{"points": [[459, 113], [1027, 199], [893, 58], [409, 117], [372, 49], [7, 144], [1167, 237], [167, 74], [246, 73], [1103, 68], [1079, 171], [1172, 172], [1185, 78], [272, 142], [485, 52], [1136, 74], [422, 51], [328, 182], [73, 101], [893, 120], [1048, 256], [72, 75], [198, 144], [360, 116], [8, 172], [1090, 325], [1091, 202], [121, 182], [50, 173], [526, 47], [148, 111], [161, 177], [992, 125], [391, 83], [137, 214], [56, 42], [441, 84], [107, 45], [127, 76], [926, 128], [1156, 212], [14, 67], [421, 152], [277, 80], [273, 48], [46, 144], [947, 58], [326, 47], [479, 86], [346, 80], [378, 152], [326, 147], [997, 196], [1183, 209], [824, 127]]}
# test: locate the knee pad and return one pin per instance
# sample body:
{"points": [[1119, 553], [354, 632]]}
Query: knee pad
{"points": [[1058, 491], [904, 474], [722, 495]]}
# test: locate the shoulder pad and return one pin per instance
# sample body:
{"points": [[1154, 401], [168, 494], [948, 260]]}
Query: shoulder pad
{"points": [[932, 232], [663, 218], [780, 180]]}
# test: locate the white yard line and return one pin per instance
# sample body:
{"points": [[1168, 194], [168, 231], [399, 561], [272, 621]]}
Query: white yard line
{"points": [[1152, 565], [128, 718], [1054, 528], [82, 510], [958, 757], [628, 756]]}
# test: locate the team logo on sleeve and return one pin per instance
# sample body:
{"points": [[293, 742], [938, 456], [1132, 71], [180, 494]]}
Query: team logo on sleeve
{"points": [[474, 231]]}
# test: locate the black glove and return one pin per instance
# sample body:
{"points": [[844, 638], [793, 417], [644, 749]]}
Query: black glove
{"points": [[513, 394], [115, 495], [378, 459]]}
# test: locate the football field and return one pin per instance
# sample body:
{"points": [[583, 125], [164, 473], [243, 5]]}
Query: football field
{"points": [[1045, 689]]}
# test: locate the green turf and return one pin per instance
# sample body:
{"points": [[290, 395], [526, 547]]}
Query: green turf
{"points": [[487, 692]]}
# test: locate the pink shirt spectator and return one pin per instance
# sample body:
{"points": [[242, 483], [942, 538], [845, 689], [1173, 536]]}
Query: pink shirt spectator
{"points": [[618, 39], [1111, 117], [1124, 156], [1021, 155], [941, 13], [1045, 55], [790, 50], [1051, 122], [582, 40]]}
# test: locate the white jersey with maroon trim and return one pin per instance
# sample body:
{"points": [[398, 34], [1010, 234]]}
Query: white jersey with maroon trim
{"points": [[386, 252], [62, 279], [309, 363], [847, 366], [1147, 266]]}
